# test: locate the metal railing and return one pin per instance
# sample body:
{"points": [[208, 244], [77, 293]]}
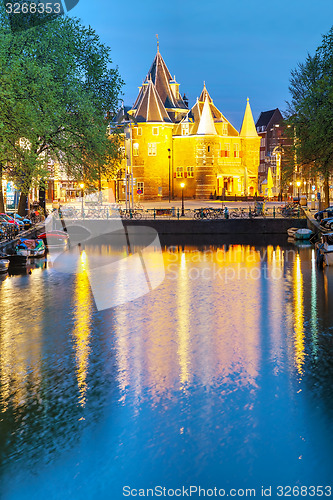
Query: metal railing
{"points": [[175, 213]]}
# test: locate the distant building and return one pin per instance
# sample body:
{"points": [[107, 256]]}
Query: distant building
{"points": [[168, 144], [271, 132]]}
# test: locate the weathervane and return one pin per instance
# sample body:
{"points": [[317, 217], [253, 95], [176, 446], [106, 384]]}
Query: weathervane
{"points": [[158, 44]]}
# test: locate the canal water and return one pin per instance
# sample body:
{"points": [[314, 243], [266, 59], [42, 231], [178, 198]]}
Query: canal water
{"points": [[221, 377]]}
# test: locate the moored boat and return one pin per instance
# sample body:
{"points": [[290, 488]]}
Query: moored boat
{"points": [[291, 231], [31, 247], [324, 250], [4, 264], [299, 233], [55, 239]]}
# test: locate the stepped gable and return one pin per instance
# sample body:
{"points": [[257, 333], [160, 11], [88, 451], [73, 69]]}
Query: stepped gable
{"points": [[150, 107]]}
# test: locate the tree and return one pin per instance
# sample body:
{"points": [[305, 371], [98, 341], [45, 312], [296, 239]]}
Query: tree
{"points": [[59, 90], [310, 113]]}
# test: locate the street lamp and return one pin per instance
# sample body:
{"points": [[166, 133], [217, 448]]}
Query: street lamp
{"points": [[182, 185], [82, 193], [298, 183]]}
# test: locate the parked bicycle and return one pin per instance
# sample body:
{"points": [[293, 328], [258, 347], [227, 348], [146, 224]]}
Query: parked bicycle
{"points": [[289, 210], [203, 213], [131, 214], [239, 213]]}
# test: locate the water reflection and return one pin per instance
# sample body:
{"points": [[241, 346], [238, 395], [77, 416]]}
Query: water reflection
{"points": [[20, 342], [213, 371], [298, 314], [82, 314], [184, 328], [314, 315]]}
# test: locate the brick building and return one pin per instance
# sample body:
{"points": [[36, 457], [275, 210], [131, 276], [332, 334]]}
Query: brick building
{"points": [[168, 144]]}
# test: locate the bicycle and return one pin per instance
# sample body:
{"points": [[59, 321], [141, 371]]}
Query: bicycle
{"points": [[203, 213], [239, 213], [131, 214]]}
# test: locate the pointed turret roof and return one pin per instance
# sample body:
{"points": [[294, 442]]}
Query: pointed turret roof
{"points": [[150, 107], [161, 77], [248, 127], [206, 125], [205, 94]]}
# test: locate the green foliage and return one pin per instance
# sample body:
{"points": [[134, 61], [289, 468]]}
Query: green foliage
{"points": [[57, 90], [310, 113]]}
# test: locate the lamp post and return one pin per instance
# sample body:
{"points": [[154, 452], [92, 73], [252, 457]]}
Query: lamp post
{"points": [[298, 183], [182, 185], [82, 193]]}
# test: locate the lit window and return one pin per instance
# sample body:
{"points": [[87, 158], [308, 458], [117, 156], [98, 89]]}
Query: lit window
{"points": [[227, 150], [190, 171], [179, 172], [224, 129], [135, 149], [236, 150], [152, 149], [141, 186], [139, 131], [155, 130], [208, 149], [185, 128]]}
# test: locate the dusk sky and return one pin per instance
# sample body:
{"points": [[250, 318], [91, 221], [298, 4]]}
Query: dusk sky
{"points": [[240, 49]]}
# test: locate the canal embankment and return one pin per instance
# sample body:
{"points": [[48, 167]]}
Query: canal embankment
{"points": [[178, 228], [256, 226], [312, 223]]}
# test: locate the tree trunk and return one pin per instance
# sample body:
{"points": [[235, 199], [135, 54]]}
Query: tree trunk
{"points": [[327, 190], [2, 205], [42, 196], [21, 209]]}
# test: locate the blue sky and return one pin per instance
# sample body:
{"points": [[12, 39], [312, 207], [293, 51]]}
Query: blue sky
{"points": [[240, 48]]}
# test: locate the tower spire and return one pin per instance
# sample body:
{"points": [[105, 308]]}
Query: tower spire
{"points": [[248, 127], [206, 124], [158, 45]]}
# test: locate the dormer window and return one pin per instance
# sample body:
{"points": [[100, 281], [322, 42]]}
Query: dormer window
{"points": [[224, 129]]}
